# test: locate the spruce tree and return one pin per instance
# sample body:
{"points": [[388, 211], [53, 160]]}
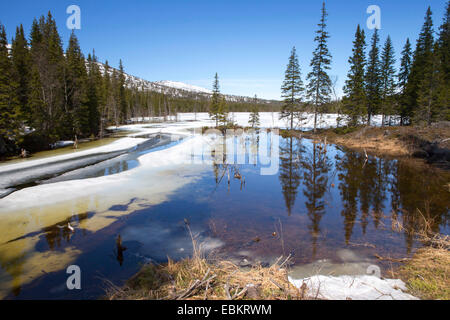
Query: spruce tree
{"points": [[94, 87], [223, 111], [405, 66], [403, 76], [254, 115], [76, 108], [9, 104], [47, 80], [21, 68], [122, 95], [214, 107], [292, 90], [354, 101], [422, 55], [319, 83], [388, 84], [106, 94], [114, 98], [373, 79], [428, 110], [444, 56]]}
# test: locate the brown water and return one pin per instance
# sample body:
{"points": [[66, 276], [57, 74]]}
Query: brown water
{"points": [[324, 203]]}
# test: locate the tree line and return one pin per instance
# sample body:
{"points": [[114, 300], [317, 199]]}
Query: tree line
{"points": [[49, 94], [417, 94]]}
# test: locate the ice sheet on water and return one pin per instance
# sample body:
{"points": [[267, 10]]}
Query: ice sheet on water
{"points": [[137, 182], [29, 171]]}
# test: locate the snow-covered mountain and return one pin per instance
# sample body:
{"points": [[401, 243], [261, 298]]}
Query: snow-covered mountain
{"points": [[177, 89], [183, 86]]}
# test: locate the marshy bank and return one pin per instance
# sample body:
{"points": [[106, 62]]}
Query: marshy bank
{"points": [[431, 144], [200, 278], [425, 276], [427, 273]]}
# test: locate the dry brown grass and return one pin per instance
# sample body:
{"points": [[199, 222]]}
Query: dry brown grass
{"points": [[392, 147], [384, 141], [427, 273], [199, 278], [390, 141]]}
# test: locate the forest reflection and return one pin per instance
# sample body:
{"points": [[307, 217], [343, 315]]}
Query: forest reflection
{"points": [[370, 188]]}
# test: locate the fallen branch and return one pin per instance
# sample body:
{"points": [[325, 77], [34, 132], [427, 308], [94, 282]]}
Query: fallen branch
{"points": [[389, 258]]}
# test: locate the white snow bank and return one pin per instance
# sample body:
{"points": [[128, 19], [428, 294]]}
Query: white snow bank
{"points": [[267, 120], [134, 183], [362, 287], [118, 145]]}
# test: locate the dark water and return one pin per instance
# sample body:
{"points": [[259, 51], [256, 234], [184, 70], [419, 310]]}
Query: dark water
{"points": [[322, 200]]}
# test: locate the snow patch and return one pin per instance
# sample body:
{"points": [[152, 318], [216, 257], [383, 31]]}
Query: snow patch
{"points": [[183, 86], [363, 287]]}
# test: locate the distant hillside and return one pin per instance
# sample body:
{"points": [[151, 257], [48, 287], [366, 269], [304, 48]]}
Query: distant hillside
{"points": [[182, 90]]}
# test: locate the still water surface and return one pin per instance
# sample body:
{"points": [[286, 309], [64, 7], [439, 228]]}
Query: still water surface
{"points": [[323, 202]]}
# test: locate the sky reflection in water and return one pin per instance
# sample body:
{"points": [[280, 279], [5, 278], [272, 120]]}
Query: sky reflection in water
{"points": [[321, 201]]}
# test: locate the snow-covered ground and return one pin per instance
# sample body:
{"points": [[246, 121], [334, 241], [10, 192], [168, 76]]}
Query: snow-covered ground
{"points": [[359, 287], [31, 170], [267, 120]]}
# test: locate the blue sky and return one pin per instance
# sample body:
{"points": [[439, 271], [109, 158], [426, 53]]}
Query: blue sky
{"points": [[247, 42]]}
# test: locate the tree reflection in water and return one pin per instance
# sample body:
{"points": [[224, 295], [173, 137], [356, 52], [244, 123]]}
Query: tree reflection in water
{"points": [[291, 150], [316, 166]]}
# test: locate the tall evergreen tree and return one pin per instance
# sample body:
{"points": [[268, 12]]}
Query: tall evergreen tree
{"points": [[114, 98], [9, 104], [105, 98], [422, 55], [254, 115], [122, 98], [354, 101], [47, 79], [94, 87], [444, 56], [223, 111], [217, 107], [292, 90], [75, 91], [405, 66], [403, 76], [373, 78], [428, 109], [319, 83], [21, 68], [388, 84]]}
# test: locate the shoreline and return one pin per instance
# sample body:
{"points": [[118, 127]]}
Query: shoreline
{"points": [[423, 276], [430, 145]]}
